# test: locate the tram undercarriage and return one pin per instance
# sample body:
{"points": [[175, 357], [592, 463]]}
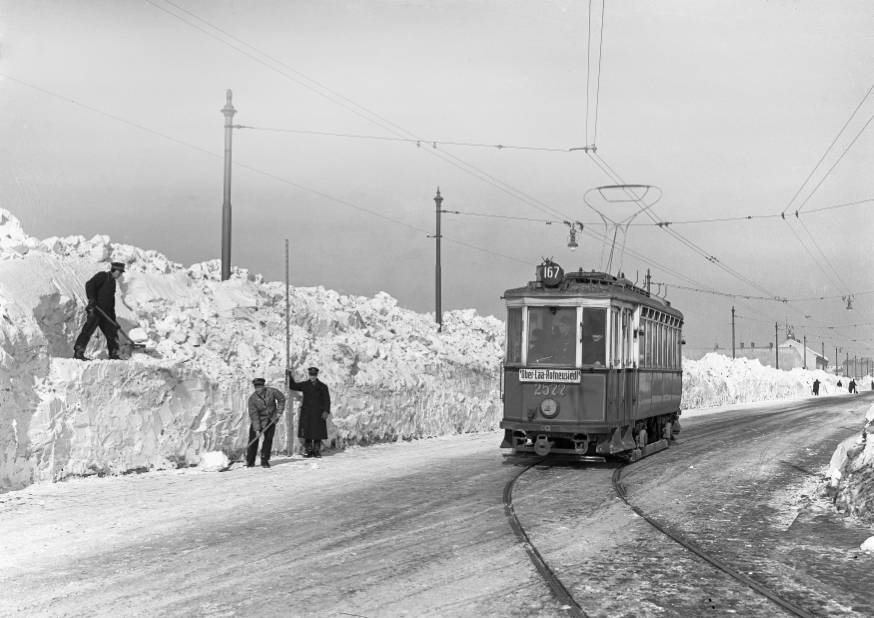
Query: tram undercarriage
{"points": [[631, 442]]}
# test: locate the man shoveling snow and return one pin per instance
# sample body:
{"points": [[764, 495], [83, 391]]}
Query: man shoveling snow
{"points": [[265, 406], [100, 291]]}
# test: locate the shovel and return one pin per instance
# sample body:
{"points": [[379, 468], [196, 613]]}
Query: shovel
{"points": [[251, 442], [131, 344]]}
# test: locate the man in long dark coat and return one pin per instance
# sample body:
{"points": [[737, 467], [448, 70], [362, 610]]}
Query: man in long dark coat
{"points": [[266, 404], [312, 425], [100, 291]]}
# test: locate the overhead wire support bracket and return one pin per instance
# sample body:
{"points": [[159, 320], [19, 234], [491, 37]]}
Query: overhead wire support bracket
{"points": [[592, 148]]}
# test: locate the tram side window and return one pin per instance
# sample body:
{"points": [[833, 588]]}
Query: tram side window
{"points": [[641, 343], [514, 336], [650, 339], [593, 337], [614, 353], [552, 336]]}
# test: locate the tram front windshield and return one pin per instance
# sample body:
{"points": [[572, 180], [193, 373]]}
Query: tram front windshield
{"points": [[552, 336]]}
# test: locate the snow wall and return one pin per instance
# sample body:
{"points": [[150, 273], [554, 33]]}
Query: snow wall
{"points": [[718, 380], [391, 374]]}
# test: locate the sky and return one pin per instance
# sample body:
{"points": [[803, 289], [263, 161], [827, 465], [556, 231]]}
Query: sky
{"points": [[111, 124]]}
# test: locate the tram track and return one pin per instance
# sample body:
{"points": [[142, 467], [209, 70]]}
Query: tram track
{"points": [[560, 591], [558, 588], [619, 488]]}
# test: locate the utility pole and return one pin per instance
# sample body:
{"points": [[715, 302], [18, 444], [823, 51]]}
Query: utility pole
{"points": [[836, 360], [776, 346], [848, 362], [647, 280], [805, 350], [732, 333], [438, 313], [823, 353], [289, 411], [229, 111]]}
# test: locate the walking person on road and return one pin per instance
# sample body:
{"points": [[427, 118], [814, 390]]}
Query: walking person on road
{"points": [[816, 387], [265, 406], [315, 408], [853, 386], [100, 291]]}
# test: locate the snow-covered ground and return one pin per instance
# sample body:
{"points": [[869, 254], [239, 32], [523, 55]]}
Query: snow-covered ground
{"points": [[391, 374]]}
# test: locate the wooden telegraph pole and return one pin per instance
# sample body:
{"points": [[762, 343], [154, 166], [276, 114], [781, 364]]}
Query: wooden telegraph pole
{"points": [[228, 111], [438, 313], [732, 333]]}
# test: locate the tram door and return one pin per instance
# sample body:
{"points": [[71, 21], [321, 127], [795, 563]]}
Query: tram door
{"points": [[623, 383], [629, 366]]}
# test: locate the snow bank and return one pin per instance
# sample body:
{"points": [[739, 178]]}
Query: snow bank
{"points": [[851, 473], [717, 380], [391, 374]]}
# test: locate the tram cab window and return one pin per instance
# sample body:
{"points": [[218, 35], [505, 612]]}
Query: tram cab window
{"points": [[552, 336], [593, 336], [514, 336]]}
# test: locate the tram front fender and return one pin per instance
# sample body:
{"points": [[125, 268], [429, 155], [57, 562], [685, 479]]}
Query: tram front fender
{"points": [[617, 442]]}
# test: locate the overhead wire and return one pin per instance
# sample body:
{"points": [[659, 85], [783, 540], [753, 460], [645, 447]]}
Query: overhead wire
{"points": [[408, 140], [825, 154], [240, 164]]}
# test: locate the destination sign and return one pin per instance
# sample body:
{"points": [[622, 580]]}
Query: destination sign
{"points": [[562, 376]]}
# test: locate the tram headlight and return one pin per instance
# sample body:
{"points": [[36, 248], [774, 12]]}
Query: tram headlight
{"points": [[549, 408]]}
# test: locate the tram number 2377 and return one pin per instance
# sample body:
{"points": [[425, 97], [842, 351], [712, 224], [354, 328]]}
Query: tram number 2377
{"points": [[550, 389]]}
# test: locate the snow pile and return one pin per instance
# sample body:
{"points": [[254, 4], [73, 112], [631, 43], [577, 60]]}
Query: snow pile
{"points": [[851, 473], [391, 374], [717, 380]]}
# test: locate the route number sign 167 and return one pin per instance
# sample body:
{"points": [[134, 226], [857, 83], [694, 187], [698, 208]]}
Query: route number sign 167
{"points": [[551, 274]]}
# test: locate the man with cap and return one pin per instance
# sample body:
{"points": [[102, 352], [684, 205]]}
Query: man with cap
{"points": [[312, 426], [265, 406], [100, 291]]}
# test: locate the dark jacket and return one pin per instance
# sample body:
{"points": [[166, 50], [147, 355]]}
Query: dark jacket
{"points": [[316, 399], [101, 288], [265, 408]]}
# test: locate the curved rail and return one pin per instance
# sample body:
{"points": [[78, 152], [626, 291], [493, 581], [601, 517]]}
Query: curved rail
{"points": [[620, 491], [555, 584]]}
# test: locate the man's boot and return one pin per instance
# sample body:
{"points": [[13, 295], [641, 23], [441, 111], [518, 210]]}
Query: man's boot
{"points": [[79, 354], [265, 463]]}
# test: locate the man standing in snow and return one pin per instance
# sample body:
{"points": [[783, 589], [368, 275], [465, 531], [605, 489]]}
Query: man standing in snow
{"points": [[816, 387], [852, 386], [100, 291], [312, 426], [265, 406]]}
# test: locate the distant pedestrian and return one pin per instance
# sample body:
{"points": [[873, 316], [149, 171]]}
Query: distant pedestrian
{"points": [[266, 404], [315, 408], [100, 291], [853, 386], [816, 387], [839, 384]]}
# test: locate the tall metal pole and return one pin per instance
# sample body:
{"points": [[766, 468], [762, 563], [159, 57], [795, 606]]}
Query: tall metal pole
{"points": [[776, 346], [438, 314], [647, 280], [289, 409], [229, 111], [805, 350], [732, 332], [823, 353]]}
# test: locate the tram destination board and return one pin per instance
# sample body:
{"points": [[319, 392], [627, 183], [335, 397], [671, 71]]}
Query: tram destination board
{"points": [[562, 376]]}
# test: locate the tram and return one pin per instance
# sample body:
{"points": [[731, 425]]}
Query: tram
{"points": [[592, 367]]}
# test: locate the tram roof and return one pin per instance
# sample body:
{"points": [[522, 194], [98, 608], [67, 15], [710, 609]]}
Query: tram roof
{"points": [[593, 285]]}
